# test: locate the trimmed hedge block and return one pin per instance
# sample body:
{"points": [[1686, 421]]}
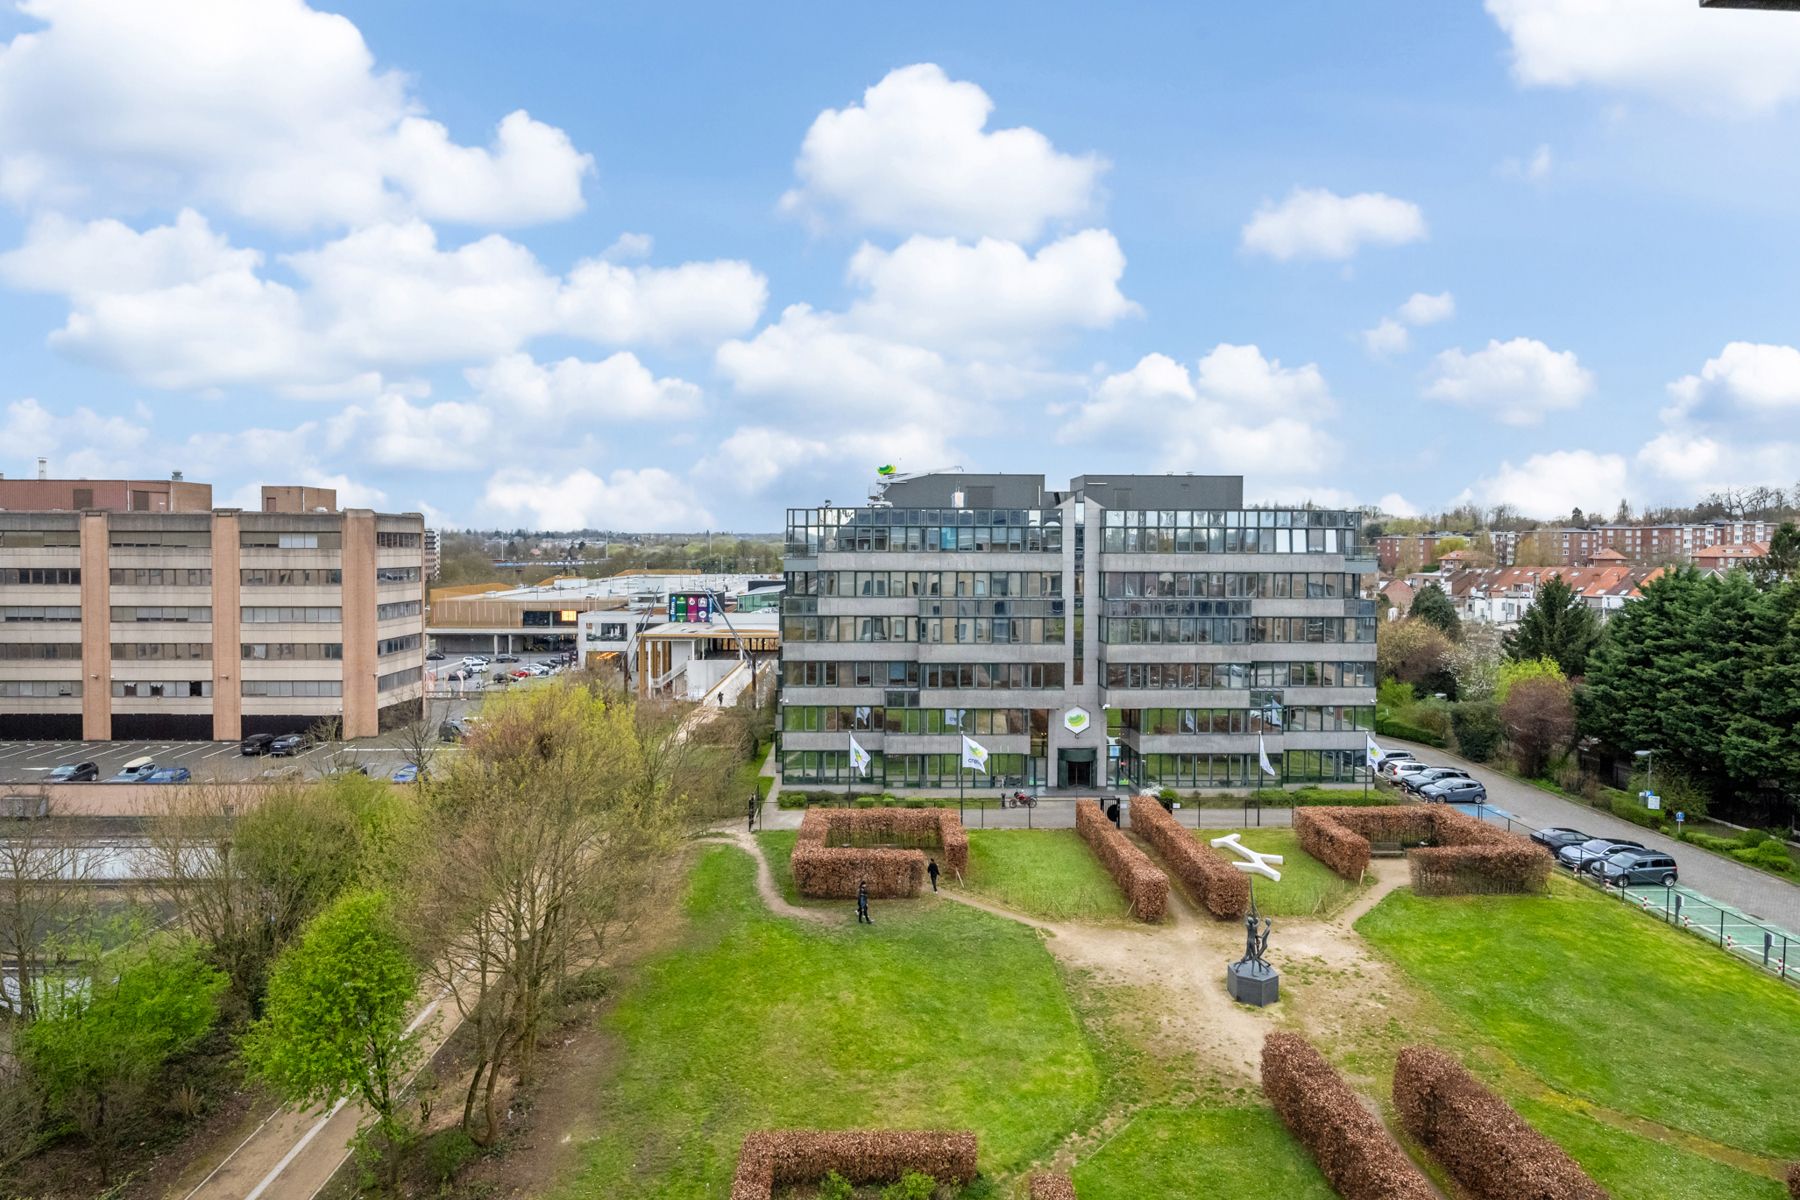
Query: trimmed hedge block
{"points": [[1793, 1180], [784, 1157], [1146, 888], [1464, 854], [1052, 1187], [1353, 1149], [824, 871], [1220, 887], [1486, 1146]]}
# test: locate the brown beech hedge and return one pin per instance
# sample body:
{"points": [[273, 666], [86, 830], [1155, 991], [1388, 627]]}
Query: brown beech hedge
{"points": [[1351, 1146], [784, 1157], [1793, 1180], [1486, 1146], [832, 872], [1053, 1187], [1144, 884], [1209, 875], [1464, 854]]}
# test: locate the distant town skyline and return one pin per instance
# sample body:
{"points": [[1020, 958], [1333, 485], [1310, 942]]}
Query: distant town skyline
{"points": [[683, 268]]}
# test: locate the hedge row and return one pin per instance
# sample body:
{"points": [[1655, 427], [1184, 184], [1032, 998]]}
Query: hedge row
{"points": [[1209, 875], [1052, 1187], [1144, 884], [832, 872], [1793, 1180], [1353, 1149], [1486, 1146], [784, 1157], [1462, 853], [1388, 727]]}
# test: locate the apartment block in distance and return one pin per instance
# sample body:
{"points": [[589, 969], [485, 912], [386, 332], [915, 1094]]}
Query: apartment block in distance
{"points": [[179, 621], [1130, 630]]}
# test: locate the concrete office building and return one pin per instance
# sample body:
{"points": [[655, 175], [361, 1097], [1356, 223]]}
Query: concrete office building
{"points": [[152, 623], [1130, 630]]}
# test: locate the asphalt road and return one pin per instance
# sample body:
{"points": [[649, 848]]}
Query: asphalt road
{"points": [[1756, 893]]}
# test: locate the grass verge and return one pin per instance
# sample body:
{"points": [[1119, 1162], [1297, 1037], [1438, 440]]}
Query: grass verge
{"points": [[1308, 888], [1048, 873], [1168, 1152]]}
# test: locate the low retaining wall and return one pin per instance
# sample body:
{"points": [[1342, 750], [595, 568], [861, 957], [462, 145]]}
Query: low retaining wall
{"points": [[1146, 888], [1052, 1187], [824, 871], [784, 1157], [1486, 1146], [1353, 1149], [1467, 854], [1209, 875]]}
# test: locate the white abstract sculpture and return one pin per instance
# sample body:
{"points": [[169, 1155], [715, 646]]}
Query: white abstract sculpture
{"points": [[1258, 862]]}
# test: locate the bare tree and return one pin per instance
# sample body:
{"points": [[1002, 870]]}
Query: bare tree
{"points": [[418, 739], [45, 883]]}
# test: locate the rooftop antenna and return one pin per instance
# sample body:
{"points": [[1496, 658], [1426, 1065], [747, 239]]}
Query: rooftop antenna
{"points": [[43, 468]]}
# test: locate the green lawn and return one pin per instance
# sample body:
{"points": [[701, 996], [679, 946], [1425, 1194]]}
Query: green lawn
{"points": [[1176, 1153], [1307, 889], [939, 1016], [1605, 1005], [1632, 1166], [1048, 873]]}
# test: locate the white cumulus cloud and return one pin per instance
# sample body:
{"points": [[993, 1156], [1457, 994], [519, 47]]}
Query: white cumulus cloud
{"points": [[1424, 309], [1755, 378], [1516, 382], [625, 500], [617, 388], [1552, 485], [916, 157], [1316, 223]]}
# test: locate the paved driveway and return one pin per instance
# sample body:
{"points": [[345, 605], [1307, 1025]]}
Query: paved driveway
{"points": [[1754, 892]]}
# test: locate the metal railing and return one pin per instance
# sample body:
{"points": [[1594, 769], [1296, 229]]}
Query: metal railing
{"points": [[1767, 947]]}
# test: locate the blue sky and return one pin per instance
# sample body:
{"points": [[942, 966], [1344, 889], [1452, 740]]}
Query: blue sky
{"points": [[683, 266]]}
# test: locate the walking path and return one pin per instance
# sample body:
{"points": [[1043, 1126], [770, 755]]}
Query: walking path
{"points": [[1052, 813]]}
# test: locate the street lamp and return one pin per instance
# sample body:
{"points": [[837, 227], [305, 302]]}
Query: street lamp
{"points": [[1649, 768]]}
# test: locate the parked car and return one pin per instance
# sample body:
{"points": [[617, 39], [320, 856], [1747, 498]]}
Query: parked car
{"points": [[344, 769], [1556, 837], [522, 673], [287, 745], [1622, 868], [459, 675], [1419, 779], [135, 771], [75, 773], [474, 662], [406, 773], [452, 731], [169, 775], [1582, 856], [1401, 770], [1455, 791], [434, 656], [255, 744], [499, 658], [1391, 765]]}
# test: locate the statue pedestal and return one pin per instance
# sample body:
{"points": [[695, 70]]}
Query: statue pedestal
{"points": [[1249, 983]]}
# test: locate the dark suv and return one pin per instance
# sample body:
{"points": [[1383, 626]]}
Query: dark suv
{"points": [[255, 744], [1623, 868]]}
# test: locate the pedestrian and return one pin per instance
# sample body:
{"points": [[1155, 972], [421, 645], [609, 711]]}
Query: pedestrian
{"points": [[931, 870], [862, 903], [750, 813], [1112, 812]]}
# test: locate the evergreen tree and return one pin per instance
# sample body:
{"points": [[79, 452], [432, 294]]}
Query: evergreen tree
{"points": [[1783, 559], [1434, 606], [1557, 626], [1762, 739]]}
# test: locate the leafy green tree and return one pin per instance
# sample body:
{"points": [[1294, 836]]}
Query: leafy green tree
{"points": [[1539, 717], [103, 1036], [1434, 606], [1415, 652], [1556, 625], [1478, 729], [334, 1019], [1517, 672]]}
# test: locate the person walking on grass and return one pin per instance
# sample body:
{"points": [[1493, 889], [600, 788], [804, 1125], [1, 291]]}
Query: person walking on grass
{"points": [[931, 869], [750, 813], [862, 903]]}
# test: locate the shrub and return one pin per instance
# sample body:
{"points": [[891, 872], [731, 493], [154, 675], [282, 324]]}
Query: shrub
{"points": [[823, 870], [1146, 888], [1462, 853], [1352, 1148], [1168, 794], [1486, 1146], [1793, 1180], [447, 1153], [1389, 727], [914, 1185], [1630, 808], [1221, 888], [783, 1157], [1539, 715], [1770, 854], [834, 1187], [1051, 1187], [1391, 694], [1478, 730]]}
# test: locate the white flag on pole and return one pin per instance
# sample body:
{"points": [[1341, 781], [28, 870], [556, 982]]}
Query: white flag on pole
{"points": [[974, 755], [1376, 753], [859, 758], [1262, 756]]}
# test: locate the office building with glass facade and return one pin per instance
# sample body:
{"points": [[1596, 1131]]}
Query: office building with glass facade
{"points": [[1136, 630]]}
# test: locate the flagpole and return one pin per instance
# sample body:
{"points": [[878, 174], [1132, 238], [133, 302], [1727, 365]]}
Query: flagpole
{"points": [[849, 767]]}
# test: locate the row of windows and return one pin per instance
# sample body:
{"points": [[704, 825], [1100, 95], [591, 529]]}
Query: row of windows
{"points": [[161, 576], [1187, 771], [40, 575], [388, 540], [156, 539], [129, 613], [180, 689], [39, 689], [40, 651], [396, 574], [966, 631], [40, 612], [902, 770], [811, 540], [398, 679], [1160, 607], [1136, 540], [1193, 676], [1267, 718], [274, 539], [849, 718], [291, 615], [293, 651], [35, 539], [930, 675], [160, 651], [1233, 631], [1253, 518], [397, 645], [390, 612], [291, 576], [293, 687], [924, 583], [1251, 585]]}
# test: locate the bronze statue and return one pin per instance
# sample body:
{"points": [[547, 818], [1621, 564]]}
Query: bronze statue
{"points": [[1255, 941]]}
